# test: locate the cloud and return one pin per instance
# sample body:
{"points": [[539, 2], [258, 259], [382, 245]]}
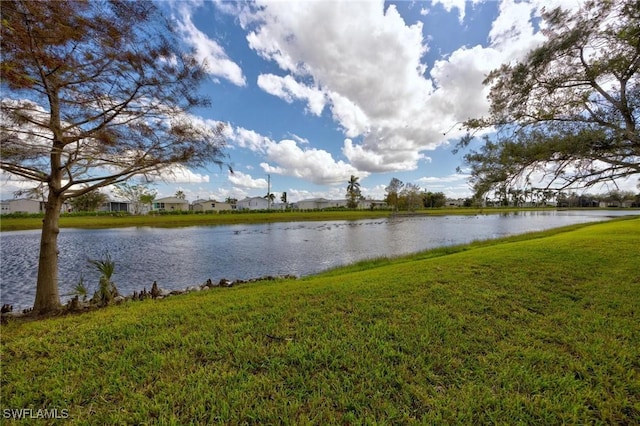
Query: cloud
{"points": [[289, 89], [245, 181], [460, 94], [311, 164], [512, 32], [208, 51], [372, 161], [366, 64], [245, 138], [453, 186], [374, 79], [299, 139], [427, 180], [221, 194], [352, 118], [287, 158], [10, 184], [449, 5], [335, 193], [180, 174]]}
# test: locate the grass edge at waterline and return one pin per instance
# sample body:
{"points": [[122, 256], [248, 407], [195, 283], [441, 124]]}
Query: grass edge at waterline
{"points": [[105, 220], [541, 329]]}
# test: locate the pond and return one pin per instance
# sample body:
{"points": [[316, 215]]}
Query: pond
{"points": [[180, 257]]}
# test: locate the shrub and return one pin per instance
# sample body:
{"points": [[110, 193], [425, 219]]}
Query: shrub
{"points": [[106, 288]]}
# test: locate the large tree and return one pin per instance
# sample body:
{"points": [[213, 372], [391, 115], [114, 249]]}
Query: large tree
{"points": [[89, 201], [433, 199], [567, 114], [94, 93], [393, 191], [411, 196], [137, 195]]}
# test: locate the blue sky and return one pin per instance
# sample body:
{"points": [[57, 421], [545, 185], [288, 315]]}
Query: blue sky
{"points": [[313, 92]]}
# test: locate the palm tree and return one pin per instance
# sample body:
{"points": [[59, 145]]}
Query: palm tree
{"points": [[353, 185], [180, 195], [353, 191], [271, 198]]}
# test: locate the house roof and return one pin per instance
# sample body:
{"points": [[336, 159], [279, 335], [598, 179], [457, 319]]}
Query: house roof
{"points": [[209, 201], [253, 198], [308, 200], [173, 200], [22, 199]]}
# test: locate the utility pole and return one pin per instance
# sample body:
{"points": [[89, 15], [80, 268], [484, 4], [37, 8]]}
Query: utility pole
{"points": [[268, 192]]}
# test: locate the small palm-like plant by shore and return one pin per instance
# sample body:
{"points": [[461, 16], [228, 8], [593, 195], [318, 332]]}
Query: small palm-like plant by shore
{"points": [[106, 288]]}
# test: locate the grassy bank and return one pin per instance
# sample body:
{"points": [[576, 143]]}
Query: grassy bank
{"points": [[103, 221], [540, 329]]}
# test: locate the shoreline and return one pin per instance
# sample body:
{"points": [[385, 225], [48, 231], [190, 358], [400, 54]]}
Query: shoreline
{"points": [[104, 221], [77, 306], [486, 333], [73, 305]]}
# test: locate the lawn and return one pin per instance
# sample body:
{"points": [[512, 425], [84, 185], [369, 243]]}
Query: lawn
{"points": [[537, 329], [168, 220]]}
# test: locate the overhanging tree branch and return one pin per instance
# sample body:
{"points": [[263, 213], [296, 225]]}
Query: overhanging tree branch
{"points": [[101, 96], [569, 110]]}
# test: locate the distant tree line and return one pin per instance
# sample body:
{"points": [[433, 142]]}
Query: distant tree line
{"points": [[410, 197], [513, 197]]}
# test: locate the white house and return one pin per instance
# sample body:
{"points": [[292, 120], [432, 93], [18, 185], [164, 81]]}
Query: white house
{"points": [[458, 202], [114, 206], [28, 205], [23, 205], [372, 204], [253, 203], [319, 203], [170, 204], [211, 205]]}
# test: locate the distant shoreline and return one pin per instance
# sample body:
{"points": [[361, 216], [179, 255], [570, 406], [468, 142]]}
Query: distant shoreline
{"points": [[103, 221]]}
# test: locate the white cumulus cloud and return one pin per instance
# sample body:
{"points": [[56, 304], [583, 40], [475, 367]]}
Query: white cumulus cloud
{"points": [[288, 158], [246, 138], [208, 51], [245, 181], [365, 64], [180, 174], [289, 89], [461, 5], [313, 165]]}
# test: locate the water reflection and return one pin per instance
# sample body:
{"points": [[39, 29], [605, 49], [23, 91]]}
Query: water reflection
{"points": [[180, 257]]}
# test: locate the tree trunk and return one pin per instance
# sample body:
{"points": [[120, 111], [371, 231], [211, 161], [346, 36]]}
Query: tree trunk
{"points": [[47, 295]]}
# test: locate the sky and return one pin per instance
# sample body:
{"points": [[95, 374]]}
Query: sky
{"points": [[312, 92]]}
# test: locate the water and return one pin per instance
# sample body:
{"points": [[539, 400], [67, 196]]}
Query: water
{"points": [[180, 257]]}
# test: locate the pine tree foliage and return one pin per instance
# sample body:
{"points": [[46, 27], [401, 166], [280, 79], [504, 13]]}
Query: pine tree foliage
{"points": [[94, 93], [567, 114]]}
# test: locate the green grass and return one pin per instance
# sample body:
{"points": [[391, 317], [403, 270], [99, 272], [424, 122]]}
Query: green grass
{"points": [[169, 220], [536, 329]]}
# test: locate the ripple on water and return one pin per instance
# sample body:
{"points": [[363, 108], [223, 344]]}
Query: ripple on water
{"points": [[180, 257]]}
